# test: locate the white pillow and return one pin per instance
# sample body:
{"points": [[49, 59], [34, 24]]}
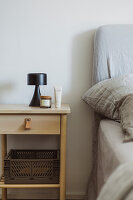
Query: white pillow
{"points": [[105, 97]]}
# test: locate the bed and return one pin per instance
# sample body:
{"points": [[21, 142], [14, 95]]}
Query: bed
{"points": [[113, 56], [112, 151]]}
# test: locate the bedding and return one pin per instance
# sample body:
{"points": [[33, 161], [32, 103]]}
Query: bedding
{"points": [[123, 178], [105, 96], [126, 113], [112, 152]]}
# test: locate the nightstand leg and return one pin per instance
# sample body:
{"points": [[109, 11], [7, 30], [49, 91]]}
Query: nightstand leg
{"points": [[63, 158], [4, 194], [4, 152]]}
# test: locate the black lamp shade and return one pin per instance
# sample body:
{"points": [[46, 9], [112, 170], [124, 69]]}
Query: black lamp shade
{"points": [[37, 79]]}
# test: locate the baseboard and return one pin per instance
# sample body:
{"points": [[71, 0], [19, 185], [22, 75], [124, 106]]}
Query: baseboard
{"points": [[41, 195]]}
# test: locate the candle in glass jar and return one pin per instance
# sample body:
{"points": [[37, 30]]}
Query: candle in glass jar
{"points": [[45, 101]]}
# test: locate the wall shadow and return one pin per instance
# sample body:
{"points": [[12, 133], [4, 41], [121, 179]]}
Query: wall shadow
{"points": [[79, 137]]}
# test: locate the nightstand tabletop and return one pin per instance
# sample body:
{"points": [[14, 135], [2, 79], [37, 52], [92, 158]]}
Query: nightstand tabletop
{"points": [[25, 109]]}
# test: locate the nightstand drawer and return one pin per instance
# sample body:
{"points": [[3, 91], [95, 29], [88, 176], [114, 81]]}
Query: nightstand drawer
{"points": [[30, 124]]}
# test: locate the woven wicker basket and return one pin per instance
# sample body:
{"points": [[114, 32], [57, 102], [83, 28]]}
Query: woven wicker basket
{"points": [[32, 166]]}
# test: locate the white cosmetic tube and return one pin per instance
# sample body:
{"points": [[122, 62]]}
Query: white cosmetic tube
{"points": [[57, 94]]}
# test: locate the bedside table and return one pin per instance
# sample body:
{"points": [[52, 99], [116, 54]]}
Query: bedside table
{"points": [[14, 119]]}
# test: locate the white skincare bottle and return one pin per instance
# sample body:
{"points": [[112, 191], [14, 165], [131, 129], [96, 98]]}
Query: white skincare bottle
{"points": [[57, 94]]}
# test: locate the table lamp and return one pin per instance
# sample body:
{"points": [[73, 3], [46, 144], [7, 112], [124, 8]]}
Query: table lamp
{"points": [[36, 79]]}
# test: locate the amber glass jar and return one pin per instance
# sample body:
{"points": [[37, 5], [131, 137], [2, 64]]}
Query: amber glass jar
{"points": [[45, 101]]}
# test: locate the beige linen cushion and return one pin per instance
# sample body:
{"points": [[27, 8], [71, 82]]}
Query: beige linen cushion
{"points": [[105, 97], [126, 113]]}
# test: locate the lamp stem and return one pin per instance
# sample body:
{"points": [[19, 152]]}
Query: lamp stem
{"points": [[36, 97]]}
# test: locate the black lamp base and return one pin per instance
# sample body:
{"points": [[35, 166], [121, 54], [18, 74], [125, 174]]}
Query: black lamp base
{"points": [[36, 97]]}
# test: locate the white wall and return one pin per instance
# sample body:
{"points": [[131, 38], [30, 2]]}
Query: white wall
{"points": [[56, 37]]}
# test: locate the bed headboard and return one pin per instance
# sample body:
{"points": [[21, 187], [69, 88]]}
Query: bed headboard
{"points": [[113, 52]]}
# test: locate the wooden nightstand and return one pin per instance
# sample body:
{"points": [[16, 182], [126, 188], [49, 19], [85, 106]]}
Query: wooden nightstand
{"points": [[43, 121]]}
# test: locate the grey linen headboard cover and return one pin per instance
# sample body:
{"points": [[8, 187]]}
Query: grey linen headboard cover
{"points": [[113, 56], [113, 52]]}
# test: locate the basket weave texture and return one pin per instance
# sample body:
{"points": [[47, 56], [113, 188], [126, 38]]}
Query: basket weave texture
{"points": [[32, 166]]}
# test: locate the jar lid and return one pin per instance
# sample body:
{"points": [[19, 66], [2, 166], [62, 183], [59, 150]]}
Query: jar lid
{"points": [[45, 97]]}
